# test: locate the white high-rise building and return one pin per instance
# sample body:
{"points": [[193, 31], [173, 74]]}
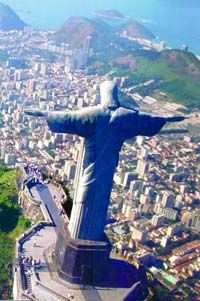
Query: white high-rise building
{"points": [[177, 228], [44, 69], [140, 140], [157, 220], [37, 66], [162, 45], [135, 185], [87, 44], [144, 152], [10, 159], [168, 199], [142, 167], [70, 169], [3, 149], [139, 235], [129, 176]]}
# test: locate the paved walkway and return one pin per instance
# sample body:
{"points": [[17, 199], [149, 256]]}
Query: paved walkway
{"points": [[45, 238], [51, 198], [50, 195]]}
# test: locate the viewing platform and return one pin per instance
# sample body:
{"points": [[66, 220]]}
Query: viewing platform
{"points": [[35, 279]]}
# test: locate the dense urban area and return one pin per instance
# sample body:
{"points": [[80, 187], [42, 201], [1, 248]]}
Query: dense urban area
{"points": [[154, 213]]}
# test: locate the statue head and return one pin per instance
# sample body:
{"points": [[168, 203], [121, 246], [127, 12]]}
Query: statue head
{"points": [[109, 94]]}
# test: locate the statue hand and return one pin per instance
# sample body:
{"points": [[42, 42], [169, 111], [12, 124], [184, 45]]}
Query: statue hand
{"points": [[175, 118], [36, 113]]}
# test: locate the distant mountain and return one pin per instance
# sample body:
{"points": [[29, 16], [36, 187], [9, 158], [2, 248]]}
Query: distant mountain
{"points": [[75, 30], [110, 14], [136, 30], [9, 20]]}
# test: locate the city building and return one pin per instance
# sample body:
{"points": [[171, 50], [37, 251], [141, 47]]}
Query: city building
{"points": [[157, 220]]}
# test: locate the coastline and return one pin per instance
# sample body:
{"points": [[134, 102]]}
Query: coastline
{"points": [[161, 18], [151, 44]]}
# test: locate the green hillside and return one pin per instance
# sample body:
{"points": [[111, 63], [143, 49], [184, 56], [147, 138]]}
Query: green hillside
{"points": [[12, 224], [176, 73]]}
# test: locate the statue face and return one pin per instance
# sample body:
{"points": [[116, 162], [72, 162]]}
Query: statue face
{"points": [[108, 91]]}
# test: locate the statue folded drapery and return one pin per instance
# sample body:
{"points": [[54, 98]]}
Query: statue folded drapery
{"points": [[104, 129]]}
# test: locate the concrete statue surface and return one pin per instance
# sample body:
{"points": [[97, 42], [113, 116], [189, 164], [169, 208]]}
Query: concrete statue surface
{"points": [[104, 128]]}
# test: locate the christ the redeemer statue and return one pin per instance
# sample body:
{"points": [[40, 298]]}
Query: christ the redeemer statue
{"points": [[105, 128]]}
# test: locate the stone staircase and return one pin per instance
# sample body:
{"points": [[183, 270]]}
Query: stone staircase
{"points": [[29, 284]]}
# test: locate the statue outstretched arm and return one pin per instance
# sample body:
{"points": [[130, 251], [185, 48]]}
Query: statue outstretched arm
{"points": [[150, 125], [36, 113], [175, 119], [69, 122]]}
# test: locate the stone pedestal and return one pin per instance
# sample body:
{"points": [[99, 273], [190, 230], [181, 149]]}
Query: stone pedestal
{"points": [[81, 261]]}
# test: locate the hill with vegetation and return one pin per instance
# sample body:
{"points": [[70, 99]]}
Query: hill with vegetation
{"points": [[176, 73], [9, 20], [75, 30], [12, 224], [135, 29]]}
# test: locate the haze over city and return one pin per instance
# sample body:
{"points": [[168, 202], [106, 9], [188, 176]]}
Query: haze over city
{"points": [[155, 14]]}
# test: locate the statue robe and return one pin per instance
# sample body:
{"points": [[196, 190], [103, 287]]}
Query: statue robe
{"points": [[104, 130]]}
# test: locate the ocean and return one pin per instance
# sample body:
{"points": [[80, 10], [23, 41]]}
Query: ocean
{"points": [[176, 22]]}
